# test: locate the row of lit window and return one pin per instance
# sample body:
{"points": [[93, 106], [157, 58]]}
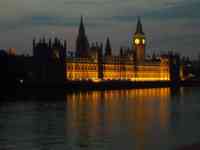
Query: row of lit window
{"points": [[81, 67], [86, 68], [149, 75], [81, 75], [152, 73], [115, 77], [118, 68], [112, 75], [78, 67]]}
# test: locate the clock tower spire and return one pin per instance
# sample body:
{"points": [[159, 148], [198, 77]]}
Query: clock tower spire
{"points": [[139, 29], [139, 42]]}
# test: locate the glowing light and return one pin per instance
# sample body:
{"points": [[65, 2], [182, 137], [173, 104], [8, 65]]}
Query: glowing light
{"points": [[137, 41], [143, 41], [21, 81], [96, 80]]}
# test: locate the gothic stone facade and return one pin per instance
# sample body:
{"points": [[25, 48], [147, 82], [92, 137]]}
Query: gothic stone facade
{"points": [[128, 65]]}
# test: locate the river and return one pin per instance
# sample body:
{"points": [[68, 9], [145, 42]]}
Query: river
{"points": [[135, 119]]}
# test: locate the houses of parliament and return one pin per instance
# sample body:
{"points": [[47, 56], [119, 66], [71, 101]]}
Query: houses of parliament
{"points": [[96, 62]]}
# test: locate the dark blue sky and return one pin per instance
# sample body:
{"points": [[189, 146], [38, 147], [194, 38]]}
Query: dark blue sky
{"points": [[168, 24]]}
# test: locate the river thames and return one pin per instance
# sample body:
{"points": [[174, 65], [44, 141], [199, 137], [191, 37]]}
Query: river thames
{"points": [[136, 119]]}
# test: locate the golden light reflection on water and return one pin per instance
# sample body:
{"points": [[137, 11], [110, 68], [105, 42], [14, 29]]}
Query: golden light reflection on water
{"points": [[100, 113]]}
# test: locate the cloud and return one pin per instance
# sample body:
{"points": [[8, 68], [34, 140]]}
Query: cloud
{"points": [[184, 10], [164, 21], [187, 10]]}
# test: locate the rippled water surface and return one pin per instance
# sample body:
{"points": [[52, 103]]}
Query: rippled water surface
{"points": [[138, 119]]}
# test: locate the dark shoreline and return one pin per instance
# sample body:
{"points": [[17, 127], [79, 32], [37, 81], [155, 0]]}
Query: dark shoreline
{"points": [[108, 85], [52, 92]]}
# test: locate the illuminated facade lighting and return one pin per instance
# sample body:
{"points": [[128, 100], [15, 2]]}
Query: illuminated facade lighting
{"points": [[96, 67]]}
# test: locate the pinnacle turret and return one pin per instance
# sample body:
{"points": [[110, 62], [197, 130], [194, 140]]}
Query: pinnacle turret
{"points": [[139, 29], [108, 50]]}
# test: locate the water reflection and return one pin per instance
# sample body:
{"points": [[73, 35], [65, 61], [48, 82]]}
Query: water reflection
{"points": [[139, 119], [132, 115]]}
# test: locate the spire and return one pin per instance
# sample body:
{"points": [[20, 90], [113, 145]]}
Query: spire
{"points": [[65, 45], [43, 40], [50, 43], [108, 51], [121, 51], [81, 27], [139, 29], [34, 42], [101, 47], [82, 44]]}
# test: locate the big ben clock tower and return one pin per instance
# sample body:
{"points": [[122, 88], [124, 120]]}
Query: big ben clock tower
{"points": [[139, 42]]}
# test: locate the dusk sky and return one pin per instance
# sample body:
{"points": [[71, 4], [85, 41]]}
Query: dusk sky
{"points": [[168, 24]]}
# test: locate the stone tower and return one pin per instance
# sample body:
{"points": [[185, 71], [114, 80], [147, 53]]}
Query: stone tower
{"points": [[139, 42]]}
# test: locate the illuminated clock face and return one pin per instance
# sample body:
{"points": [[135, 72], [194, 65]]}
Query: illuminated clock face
{"points": [[137, 41], [143, 41]]}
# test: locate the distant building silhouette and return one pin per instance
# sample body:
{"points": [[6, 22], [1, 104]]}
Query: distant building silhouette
{"points": [[49, 60], [174, 62], [82, 44]]}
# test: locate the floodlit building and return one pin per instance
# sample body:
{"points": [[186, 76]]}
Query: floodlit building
{"points": [[94, 64]]}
